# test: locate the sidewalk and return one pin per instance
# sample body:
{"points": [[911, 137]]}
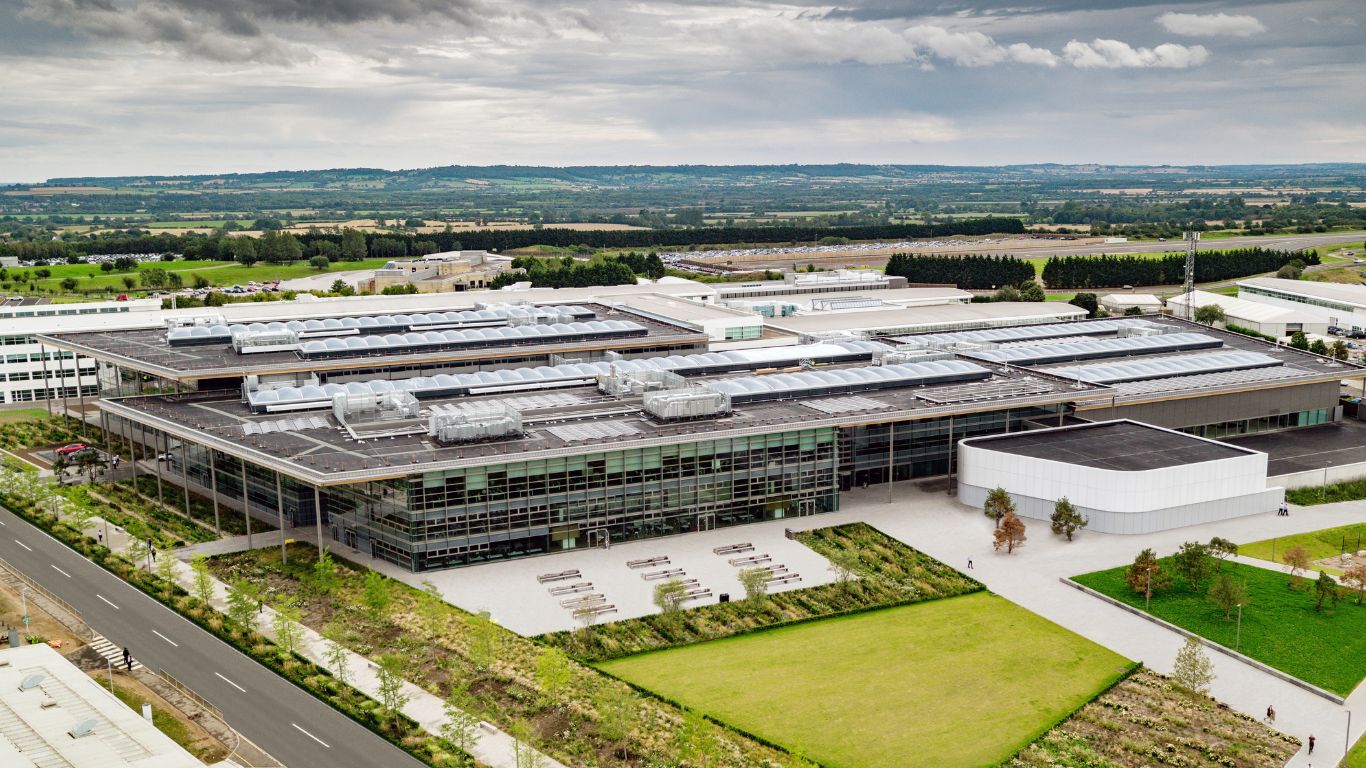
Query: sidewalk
{"points": [[491, 747]]}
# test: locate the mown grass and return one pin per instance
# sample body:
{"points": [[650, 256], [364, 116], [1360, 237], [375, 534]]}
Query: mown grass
{"points": [[965, 681], [1328, 542], [1280, 626]]}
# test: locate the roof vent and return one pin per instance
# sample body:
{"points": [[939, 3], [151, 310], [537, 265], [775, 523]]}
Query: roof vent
{"points": [[48, 703], [82, 729], [31, 682]]}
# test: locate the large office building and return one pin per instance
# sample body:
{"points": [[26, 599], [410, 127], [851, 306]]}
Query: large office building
{"points": [[490, 431]]}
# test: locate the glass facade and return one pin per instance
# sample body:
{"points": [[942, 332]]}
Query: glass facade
{"points": [[458, 517], [1262, 424]]}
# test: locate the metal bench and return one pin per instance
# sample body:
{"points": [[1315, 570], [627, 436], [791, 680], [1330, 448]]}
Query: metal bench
{"points": [[665, 574], [571, 589], [648, 561], [559, 576], [575, 602], [733, 549], [751, 560]]}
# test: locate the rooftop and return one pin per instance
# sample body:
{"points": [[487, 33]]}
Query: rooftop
{"points": [[1242, 309], [1343, 293], [35, 723], [1123, 446], [928, 318]]}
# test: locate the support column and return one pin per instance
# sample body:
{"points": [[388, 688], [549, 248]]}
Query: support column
{"points": [[280, 517], [156, 462], [952, 451], [47, 380], [61, 376], [318, 518], [80, 396], [213, 491], [891, 457], [246, 513], [185, 475]]}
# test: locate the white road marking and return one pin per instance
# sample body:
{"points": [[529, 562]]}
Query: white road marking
{"points": [[167, 639], [22, 544], [311, 736], [234, 685], [106, 600], [59, 570], [2, 522]]}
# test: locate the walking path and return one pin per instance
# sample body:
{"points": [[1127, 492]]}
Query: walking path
{"points": [[491, 747]]}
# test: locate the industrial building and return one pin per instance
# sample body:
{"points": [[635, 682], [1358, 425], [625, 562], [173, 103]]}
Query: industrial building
{"points": [[1328, 304], [1262, 317], [1123, 476], [530, 429]]}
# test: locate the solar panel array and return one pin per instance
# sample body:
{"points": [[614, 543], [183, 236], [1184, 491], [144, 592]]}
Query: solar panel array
{"points": [[1201, 380], [395, 343], [1027, 332], [1098, 348], [843, 380], [592, 430], [834, 405], [990, 390], [444, 384], [1166, 367], [283, 425], [376, 323]]}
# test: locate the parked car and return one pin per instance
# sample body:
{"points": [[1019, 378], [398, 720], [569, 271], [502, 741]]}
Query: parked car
{"points": [[70, 449], [1334, 330]]}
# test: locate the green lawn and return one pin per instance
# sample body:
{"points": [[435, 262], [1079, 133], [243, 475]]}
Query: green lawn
{"points": [[1280, 627], [22, 414], [218, 273], [1347, 490], [904, 686], [1320, 544], [1357, 757]]}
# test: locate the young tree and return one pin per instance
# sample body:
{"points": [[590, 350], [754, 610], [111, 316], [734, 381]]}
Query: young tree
{"points": [[90, 461], [243, 603], [389, 671], [998, 505], [524, 755], [1030, 290], [1318, 347], [203, 580], [669, 595], [1356, 576], [1146, 574], [1193, 563], [1209, 314], [1325, 589], [1086, 301], [845, 567], [1299, 341], [755, 582], [1227, 593], [1193, 670], [1339, 350], [461, 726], [1010, 534], [288, 631], [1297, 557], [484, 640], [1066, 520], [335, 655], [326, 574], [554, 674], [376, 595], [616, 707], [1221, 549], [165, 570]]}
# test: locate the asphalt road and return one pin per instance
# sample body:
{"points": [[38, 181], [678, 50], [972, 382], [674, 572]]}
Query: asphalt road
{"points": [[286, 722]]}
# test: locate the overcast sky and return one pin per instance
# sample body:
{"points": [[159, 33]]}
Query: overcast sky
{"points": [[114, 87]]}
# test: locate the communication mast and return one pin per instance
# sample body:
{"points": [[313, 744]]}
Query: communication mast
{"points": [[1192, 239]]}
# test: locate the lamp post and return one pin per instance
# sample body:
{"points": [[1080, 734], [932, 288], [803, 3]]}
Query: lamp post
{"points": [[1238, 636], [23, 599], [1148, 594], [1347, 737]]}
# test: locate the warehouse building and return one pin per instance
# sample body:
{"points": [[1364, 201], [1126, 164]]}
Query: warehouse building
{"points": [[554, 427], [1270, 319], [1336, 304]]}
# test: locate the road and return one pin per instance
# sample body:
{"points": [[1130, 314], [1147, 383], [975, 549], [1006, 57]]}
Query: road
{"points": [[286, 722]]}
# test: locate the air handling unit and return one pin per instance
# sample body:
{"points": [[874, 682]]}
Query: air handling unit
{"points": [[687, 403], [450, 424], [248, 342], [350, 408], [624, 383]]}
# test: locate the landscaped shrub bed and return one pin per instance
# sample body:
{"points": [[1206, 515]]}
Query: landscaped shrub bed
{"points": [[1349, 490], [165, 518], [36, 433], [880, 571], [1145, 721], [588, 719], [230, 520], [400, 730]]}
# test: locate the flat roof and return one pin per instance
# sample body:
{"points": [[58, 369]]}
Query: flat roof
{"points": [[31, 734], [1344, 293], [1243, 309], [1123, 446], [932, 317], [558, 422], [683, 310], [146, 349]]}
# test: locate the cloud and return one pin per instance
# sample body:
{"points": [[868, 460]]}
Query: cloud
{"points": [[834, 42], [1210, 24], [1116, 54], [974, 49]]}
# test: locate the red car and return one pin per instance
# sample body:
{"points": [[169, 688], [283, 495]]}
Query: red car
{"points": [[72, 448]]}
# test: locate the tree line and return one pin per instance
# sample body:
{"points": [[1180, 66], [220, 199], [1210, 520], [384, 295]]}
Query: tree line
{"points": [[566, 272], [1112, 271], [969, 272], [396, 245]]}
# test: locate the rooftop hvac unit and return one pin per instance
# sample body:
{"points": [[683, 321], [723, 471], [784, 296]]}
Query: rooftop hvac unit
{"points": [[1151, 329], [470, 423], [690, 403], [350, 408], [850, 302], [191, 321], [896, 357], [621, 383], [248, 342]]}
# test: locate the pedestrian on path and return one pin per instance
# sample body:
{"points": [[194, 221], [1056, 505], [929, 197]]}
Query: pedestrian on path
{"points": [[127, 658], [100, 535], [969, 563], [1311, 743], [1271, 715]]}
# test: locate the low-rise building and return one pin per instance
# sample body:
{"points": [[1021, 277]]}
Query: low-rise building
{"points": [[1329, 304], [1270, 319], [440, 272], [1119, 303]]}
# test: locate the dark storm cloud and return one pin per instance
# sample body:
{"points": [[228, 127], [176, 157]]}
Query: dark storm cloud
{"points": [[882, 10]]}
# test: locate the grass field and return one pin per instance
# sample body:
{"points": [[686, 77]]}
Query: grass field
{"points": [[217, 273], [1357, 757], [22, 414], [1280, 626], [1320, 544], [911, 685]]}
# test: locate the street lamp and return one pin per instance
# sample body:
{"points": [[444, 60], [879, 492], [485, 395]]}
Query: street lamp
{"points": [[1238, 637], [1347, 738]]}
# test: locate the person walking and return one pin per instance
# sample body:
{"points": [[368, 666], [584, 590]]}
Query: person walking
{"points": [[127, 659], [1311, 743], [969, 563], [1271, 715]]}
